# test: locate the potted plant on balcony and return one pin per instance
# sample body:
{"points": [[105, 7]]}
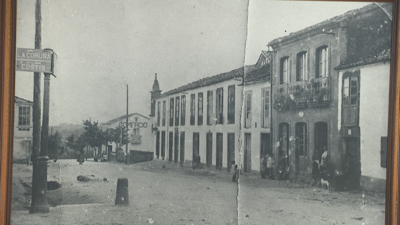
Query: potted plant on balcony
{"points": [[283, 102]]}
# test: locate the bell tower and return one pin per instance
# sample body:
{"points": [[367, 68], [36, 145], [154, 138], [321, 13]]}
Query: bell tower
{"points": [[155, 93]]}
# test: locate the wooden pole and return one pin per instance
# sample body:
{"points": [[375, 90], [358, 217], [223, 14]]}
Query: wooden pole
{"points": [[39, 200]]}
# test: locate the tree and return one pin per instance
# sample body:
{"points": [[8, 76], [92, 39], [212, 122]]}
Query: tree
{"points": [[55, 144], [76, 144], [93, 135]]}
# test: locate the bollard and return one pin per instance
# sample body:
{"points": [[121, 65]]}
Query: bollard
{"points": [[122, 197]]}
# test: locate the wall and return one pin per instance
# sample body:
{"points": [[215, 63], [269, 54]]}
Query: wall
{"points": [[336, 42], [203, 129], [22, 138], [373, 120], [256, 122]]}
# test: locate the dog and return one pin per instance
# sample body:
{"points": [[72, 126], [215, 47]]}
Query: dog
{"points": [[325, 182], [325, 177]]}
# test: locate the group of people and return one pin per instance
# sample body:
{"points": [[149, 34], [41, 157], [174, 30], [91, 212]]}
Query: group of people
{"points": [[319, 169], [267, 166]]}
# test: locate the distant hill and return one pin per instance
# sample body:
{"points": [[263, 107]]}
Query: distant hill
{"points": [[67, 129]]}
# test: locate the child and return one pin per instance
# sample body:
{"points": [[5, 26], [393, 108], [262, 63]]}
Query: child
{"points": [[235, 176]]}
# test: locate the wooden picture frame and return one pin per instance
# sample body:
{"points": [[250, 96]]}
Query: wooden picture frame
{"points": [[8, 19]]}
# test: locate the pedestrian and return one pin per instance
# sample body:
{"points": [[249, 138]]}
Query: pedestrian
{"points": [[323, 157], [235, 176], [270, 166], [263, 166], [315, 168]]}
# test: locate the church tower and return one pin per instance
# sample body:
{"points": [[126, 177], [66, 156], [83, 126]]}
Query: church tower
{"points": [[156, 92]]}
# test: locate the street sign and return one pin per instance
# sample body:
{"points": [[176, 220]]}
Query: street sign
{"points": [[35, 60]]}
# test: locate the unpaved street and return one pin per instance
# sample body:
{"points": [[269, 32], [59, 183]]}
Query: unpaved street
{"points": [[176, 195]]}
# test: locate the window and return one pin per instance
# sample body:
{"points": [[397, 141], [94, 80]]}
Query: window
{"points": [[158, 113], [210, 107], [247, 122], [284, 75], [200, 109], [183, 110], [192, 108], [136, 138], [322, 62], [220, 105], [231, 104], [171, 112], [24, 118], [350, 98], [164, 110], [301, 139], [177, 104], [301, 66], [265, 108]]}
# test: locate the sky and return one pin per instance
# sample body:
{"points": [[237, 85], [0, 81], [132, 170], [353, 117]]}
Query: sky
{"points": [[104, 45]]}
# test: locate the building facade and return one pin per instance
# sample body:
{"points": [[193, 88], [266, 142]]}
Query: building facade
{"points": [[140, 134], [22, 130], [309, 115], [201, 122]]}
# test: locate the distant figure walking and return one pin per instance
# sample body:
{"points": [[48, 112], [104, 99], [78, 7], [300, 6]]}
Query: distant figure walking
{"points": [[263, 166], [270, 166]]}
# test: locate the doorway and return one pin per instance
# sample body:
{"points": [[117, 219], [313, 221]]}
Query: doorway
{"points": [[231, 150], [163, 145], [182, 145], [158, 144], [209, 149], [219, 151], [196, 155], [320, 136], [176, 146], [352, 166], [247, 152], [265, 144], [171, 146]]}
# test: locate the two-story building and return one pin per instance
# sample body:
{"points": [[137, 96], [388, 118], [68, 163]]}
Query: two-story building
{"points": [[22, 130], [202, 120], [317, 107]]}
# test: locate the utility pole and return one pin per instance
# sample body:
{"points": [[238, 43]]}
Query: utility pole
{"points": [[127, 143], [39, 174]]}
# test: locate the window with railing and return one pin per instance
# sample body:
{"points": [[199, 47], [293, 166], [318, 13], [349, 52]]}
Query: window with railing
{"points": [[231, 104], [301, 67], [200, 109], [350, 98], [210, 117], [284, 73], [322, 63], [183, 110], [171, 112], [158, 113], [219, 105], [164, 111], [192, 109], [247, 122], [177, 104], [265, 107]]}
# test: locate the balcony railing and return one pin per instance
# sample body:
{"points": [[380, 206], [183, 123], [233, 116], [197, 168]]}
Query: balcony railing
{"points": [[315, 92]]}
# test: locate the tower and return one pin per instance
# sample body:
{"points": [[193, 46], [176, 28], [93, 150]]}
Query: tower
{"points": [[156, 92]]}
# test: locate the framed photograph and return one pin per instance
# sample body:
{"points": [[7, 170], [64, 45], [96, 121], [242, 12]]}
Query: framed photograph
{"points": [[199, 112]]}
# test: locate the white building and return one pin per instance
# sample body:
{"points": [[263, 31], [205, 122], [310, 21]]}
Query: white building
{"points": [[22, 130]]}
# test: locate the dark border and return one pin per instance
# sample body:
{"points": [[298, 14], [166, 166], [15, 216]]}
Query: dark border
{"points": [[8, 13]]}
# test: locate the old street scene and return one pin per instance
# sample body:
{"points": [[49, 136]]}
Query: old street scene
{"points": [[201, 112]]}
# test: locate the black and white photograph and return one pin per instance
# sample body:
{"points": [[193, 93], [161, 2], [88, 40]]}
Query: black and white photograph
{"points": [[201, 112]]}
